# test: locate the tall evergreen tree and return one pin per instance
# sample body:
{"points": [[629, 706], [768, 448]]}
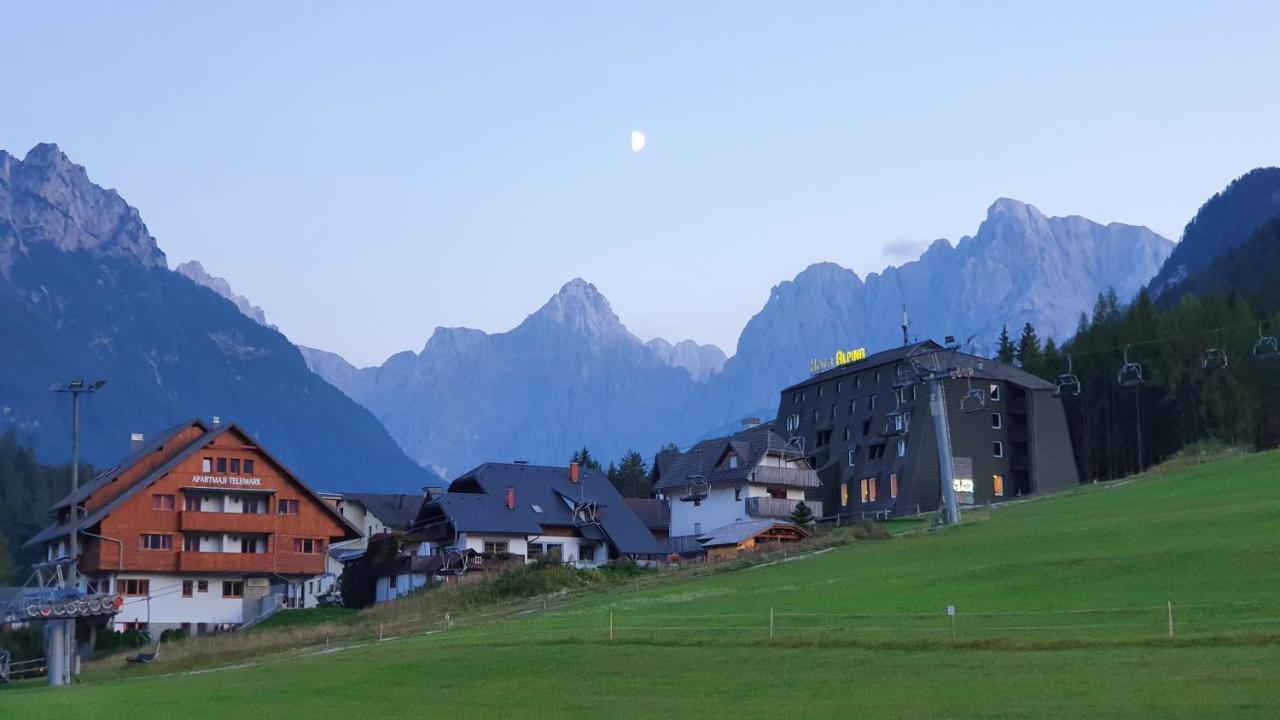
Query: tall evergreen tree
{"points": [[1005, 353], [1030, 355], [631, 477], [585, 460]]}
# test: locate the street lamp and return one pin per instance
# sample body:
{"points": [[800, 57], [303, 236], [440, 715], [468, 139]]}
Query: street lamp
{"points": [[75, 388]]}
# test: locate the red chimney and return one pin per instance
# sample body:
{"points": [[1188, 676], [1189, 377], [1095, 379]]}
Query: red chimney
{"points": [[573, 472], [511, 498]]}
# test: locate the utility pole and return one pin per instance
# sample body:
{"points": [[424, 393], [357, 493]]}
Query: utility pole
{"points": [[70, 664], [946, 468]]}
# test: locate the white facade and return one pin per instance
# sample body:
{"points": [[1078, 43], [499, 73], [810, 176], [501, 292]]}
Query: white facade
{"points": [[168, 609], [570, 548], [724, 505]]}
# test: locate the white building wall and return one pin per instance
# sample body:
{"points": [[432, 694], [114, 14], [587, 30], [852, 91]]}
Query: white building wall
{"points": [[166, 608], [717, 510]]}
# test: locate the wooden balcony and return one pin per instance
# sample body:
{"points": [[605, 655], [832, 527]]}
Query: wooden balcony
{"points": [[785, 477], [768, 507], [252, 563], [224, 522]]}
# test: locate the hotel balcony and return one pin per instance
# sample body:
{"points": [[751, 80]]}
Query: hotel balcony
{"points": [[785, 477], [226, 522], [768, 507], [253, 563]]}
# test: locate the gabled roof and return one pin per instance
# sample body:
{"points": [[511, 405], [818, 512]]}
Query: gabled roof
{"points": [[984, 368], [209, 435], [704, 459], [477, 502], [395, 510], [738, 533]]}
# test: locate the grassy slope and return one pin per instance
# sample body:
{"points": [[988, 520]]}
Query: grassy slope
{"points": [[1203, 537]]}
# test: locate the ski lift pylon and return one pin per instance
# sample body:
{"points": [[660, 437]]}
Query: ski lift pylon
{"points": [[1130, 372]]}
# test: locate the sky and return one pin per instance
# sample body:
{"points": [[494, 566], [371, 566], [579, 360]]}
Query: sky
{"points": [[368, 171]]}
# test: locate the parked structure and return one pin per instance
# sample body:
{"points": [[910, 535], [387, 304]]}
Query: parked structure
{"points": [[866, 427], [751, 475], [199, 529]]}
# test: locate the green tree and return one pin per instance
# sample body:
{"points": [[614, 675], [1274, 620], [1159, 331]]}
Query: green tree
{"points": [[7, 568], [1005, 353], [585, 460], [802, 515], [630, 476], [1029, 353]]}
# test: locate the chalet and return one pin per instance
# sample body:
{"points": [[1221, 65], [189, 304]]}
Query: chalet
{"points": [[751, 475], [731, 540], [531, 512], [199, 529]]}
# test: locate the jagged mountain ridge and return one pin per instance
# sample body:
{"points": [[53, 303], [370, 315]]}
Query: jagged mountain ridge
{"points": [[702, 361], [195, 272], [85, 291]]}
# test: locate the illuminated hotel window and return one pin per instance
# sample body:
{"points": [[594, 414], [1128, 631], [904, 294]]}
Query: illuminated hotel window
{"points": [[893, 485], [997, 484], [844, 493], [871, 488]]}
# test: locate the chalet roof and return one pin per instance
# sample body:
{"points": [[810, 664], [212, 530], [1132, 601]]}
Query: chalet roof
{"points": [[477, 502], [738, 533], [209, 435], [654, 513], [751, 446], [395, 510]]}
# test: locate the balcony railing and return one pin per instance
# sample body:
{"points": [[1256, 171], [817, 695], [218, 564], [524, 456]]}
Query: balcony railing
{"points": [[770, 507], [283, 563], [785, 477], [194, 521]]}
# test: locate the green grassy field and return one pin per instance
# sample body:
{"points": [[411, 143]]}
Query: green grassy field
{"points": [[1062, 612]]}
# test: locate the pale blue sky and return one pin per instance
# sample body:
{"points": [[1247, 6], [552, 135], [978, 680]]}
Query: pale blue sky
{"points": [[367, 174]]}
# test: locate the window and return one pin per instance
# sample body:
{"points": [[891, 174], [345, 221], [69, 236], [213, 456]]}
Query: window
{"points": [[793, 421], [853, 407], [737, 494], [152, 541], [191, 503], [495, 547], [248, 467], [997, 449], [191, 543], [844, 494], [587, 552], [848, 433], [253, 506], [902, 447], [875, 452], [817, 416], [857, 382], [863, 487], [536, 508], [839, 386], [795, 398], [232, 588], [553, 551], [133, 587], [871, 489], [697, 528], [877, 377], [822, 390], [853, 457], [188, 588], [206, 465], [893, 485], [287, 507], [202, 586], [222, 465], [997, 484], [163, 502], [996, 421], [534, 551], [308, 546], [733, 461], [866, 428], [824, 438], [249, 546], [993, 392], [235, 466]]}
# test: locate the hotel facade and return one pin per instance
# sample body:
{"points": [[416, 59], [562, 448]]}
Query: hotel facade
{"points": [[200, 529]]}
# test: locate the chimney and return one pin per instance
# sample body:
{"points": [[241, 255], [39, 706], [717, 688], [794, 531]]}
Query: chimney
{"points": [[217, 420], [511, 498], [135, 442], [573, 472]]}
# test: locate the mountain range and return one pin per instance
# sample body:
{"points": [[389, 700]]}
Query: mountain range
{"points": [[572, 375], [85, 292]]}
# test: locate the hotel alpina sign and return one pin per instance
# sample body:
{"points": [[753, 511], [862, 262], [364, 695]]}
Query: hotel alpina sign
{"points": [[226, 481], [842, 357]]}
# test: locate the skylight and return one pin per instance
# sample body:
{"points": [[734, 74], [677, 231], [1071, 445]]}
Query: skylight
{"points": [[536, 508]]}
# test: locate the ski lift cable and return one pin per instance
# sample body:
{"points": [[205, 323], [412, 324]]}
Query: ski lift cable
{"points": [[1168, 338]]}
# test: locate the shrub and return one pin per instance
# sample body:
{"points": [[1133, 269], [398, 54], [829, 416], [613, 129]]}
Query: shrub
{"points": [[867, 530]]}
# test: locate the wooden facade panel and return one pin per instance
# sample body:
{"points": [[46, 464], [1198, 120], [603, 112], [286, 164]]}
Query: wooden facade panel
{"points": [[142, 468]]}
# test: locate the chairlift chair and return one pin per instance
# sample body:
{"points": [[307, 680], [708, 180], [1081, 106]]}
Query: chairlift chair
{"points": [[1214, 359], [1130, 373], [1068, 383], [697, 490], [1267, 347], [145, 658], [974, 400]]}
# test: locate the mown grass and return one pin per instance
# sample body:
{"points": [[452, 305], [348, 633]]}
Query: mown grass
{"points": [[1062, 613]]}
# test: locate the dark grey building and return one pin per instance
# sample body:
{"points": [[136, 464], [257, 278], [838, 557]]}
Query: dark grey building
{"points": [[871, 437]]}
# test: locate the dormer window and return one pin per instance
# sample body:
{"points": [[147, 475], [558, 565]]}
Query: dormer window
{"points": [[733, 461]]}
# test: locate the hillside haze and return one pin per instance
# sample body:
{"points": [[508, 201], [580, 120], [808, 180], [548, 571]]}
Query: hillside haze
{"points": [[86, 292]]}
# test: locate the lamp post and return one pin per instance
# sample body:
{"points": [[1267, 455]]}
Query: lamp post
{"points": [[75, 388]]}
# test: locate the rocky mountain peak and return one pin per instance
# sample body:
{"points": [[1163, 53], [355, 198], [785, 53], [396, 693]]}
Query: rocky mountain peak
{"points": [[195, 272], [52, 201], [582, 309]]}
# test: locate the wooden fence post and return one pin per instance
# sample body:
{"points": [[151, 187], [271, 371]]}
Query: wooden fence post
{"points": [[770, 623], [1170, 618], [610, 624]]}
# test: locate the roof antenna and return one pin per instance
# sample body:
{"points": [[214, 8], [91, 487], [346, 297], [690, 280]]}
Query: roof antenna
{"points": [[906, 326]]}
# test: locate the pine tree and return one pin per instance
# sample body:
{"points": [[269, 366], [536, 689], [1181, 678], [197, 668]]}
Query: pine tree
{"points": [[630, 477], [1029, 354], [1006, 351], [802, 515], [585, 460]]}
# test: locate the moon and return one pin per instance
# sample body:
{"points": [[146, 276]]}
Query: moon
{"points": [[637, 141]]}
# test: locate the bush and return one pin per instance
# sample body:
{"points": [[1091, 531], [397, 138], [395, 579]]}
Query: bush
{"points": [[622, 569], [540, 578], [173, 636], [867, 530]]}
